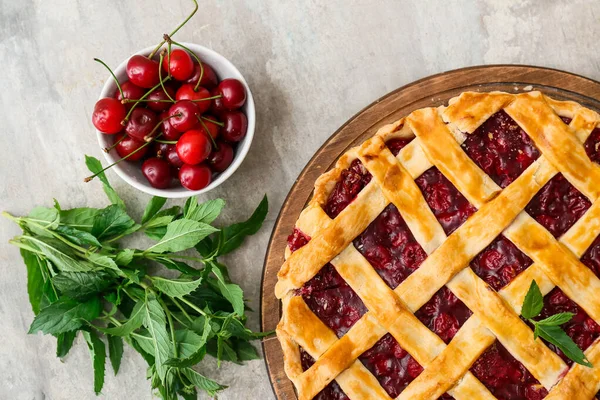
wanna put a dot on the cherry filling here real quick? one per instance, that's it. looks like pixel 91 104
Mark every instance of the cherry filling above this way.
pixel 297 239
pixel 581 328
pixel 333 391
pixel 390 247
pixel 591 258
pixel 352 181
pixel 449 206
pixel 592 146
pixel 328 295
pixel 395 145
pixel 332 300
pixel 506 377
pixel 500 263
pixel 501 148
pixel 444 314
pixel 393 367
pixel 558 205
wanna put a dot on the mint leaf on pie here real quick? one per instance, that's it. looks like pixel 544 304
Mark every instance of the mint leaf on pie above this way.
pixel 533 303
pixel 555 335
pixel 549 329
pixel 556 319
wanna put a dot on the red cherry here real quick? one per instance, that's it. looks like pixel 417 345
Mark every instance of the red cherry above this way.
pixel 234 94
pixel 108 114
pixel 216 105
pixel 236 126
pixel 213 129
pixel 220 159
pixel 184 115
pixel 195 177
pixel 131 92
pixel 159 94
pixel 187 92
pixel 140 124
pixel 169 133
pixel 193 147
pixel 180 64
pixel 172 156
pixel 158 172
pixel 142 71
pixel 209 78
pixel 128 145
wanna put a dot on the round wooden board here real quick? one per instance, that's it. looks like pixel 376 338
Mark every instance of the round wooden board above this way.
pixel 432 91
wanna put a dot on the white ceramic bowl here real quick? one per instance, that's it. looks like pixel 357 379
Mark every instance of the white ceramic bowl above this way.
pixel 131 172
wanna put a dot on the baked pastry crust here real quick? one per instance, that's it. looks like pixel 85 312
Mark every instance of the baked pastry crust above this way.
pixel 438 134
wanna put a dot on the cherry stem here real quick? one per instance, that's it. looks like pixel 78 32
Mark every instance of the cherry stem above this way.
pixel 113 75
pixel 213 121
pixel 166 141
pixel 136 102
pixel 89 178
pixel 193 55
pixel 176 29
pixel 208 132
pixel 148 137
pixel 162 84
pixel 108 149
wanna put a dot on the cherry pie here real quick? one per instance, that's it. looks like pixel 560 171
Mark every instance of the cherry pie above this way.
pixel 405 274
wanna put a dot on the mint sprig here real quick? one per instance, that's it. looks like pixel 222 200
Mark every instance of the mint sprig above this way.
pixel 81 280
pixel 549 328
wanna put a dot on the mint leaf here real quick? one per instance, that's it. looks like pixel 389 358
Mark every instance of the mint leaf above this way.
pixel 156 323
pixel 556 319
pixel 533 302
pixel 98 354
pixel 175 287
pixel 136 319
pixel 158 222
pixel 201 324
pixel 245 351
pixel 177 265
pixel 41 218
pixel 63 260
pixel 79 285
pixel 95 166
pixel 104 262
pixel 124 257
pixel 206 212
pixel 555 335
pixel 208 385
pixel 79 218
pixel 115 351
pixel 65 315
pixel 182 235
pixel 188 342
pixel 35 279
pixel 154 206
pixel 232 292
pixel 111 221
pixel 81 238
pixel 64 342
pixel 233 236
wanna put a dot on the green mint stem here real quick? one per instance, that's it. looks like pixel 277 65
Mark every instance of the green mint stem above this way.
pixel 174 300
pixel 176 29
pixel 193 307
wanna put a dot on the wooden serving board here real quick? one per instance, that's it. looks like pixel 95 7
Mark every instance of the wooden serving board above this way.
pixel 432 91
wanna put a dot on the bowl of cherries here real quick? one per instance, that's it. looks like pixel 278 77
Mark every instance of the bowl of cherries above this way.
pixel 176 120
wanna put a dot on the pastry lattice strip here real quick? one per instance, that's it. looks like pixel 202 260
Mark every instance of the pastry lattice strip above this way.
pixel 430 238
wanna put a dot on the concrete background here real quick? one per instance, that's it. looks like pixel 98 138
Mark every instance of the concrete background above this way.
pixel 311 66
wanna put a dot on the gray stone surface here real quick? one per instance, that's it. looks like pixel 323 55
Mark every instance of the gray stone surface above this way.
pixel 311 66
